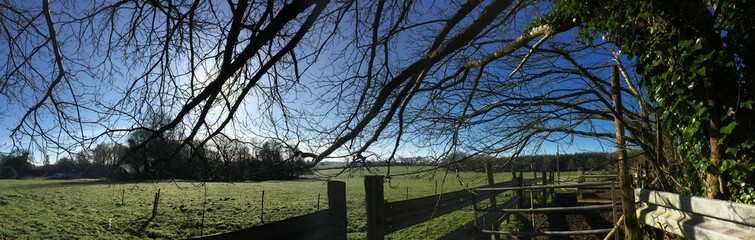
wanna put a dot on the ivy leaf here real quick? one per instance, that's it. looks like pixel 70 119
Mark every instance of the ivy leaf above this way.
pixel 746 104
pixel 700 71
pixel 732 150
pixel 729 128
pixel 685 43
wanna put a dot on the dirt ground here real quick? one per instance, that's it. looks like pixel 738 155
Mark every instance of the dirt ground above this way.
pixel 569 221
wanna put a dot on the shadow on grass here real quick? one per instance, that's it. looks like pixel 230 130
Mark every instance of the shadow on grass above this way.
pixel 145 224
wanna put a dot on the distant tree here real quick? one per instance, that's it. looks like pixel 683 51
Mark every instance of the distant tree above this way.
pixel 65 165
pixel 8 173
pixel 19 161
pixel 82 159
pixel 278 162
pixel 101 154
pixel 153 157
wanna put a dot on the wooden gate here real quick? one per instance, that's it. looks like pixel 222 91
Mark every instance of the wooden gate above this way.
pixel 532 210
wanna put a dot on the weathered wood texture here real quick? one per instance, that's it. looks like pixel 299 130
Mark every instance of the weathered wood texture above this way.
pixel 544 187
pixel 632 229
pixel 384 218
pixel 375 205
pixel 403 214
pixel 548 186
pixel 325 224
pixel 696 217
pixel 553 209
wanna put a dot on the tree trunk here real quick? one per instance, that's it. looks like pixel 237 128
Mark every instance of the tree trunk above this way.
pixel 713 183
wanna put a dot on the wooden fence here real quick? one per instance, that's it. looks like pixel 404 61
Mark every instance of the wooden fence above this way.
pixel 325 224
pixel 533 210
pixel 384 218
pixel 695 217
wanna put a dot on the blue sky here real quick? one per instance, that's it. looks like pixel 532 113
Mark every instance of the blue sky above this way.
pixel 105 90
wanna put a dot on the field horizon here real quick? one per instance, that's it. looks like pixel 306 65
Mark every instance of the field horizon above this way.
pixel 96 208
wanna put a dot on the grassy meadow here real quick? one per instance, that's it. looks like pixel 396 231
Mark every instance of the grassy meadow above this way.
pixel 97 209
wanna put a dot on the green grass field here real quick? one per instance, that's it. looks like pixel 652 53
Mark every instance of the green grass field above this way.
pixel 92 209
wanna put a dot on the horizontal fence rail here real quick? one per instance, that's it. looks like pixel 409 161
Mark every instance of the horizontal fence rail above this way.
pixel 549 186
pixel 600 176
pixel 384 218
pixel 403 214
pixel 551 233
pixel 553 209
pixel 609 184
pixel 696 217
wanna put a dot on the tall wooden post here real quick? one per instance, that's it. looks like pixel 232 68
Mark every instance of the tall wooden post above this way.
pixel 375 201
pixel 544 192
pixel 491 183
pixel 337 204
pixel 154 206
pixel 631 225
pixel 558 166
pixel 520 192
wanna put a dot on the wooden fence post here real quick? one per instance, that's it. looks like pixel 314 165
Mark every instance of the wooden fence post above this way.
pixel 262 207
pixel 491 183
pixel 553 180
pixel 631 225
pixel 154 206
pixel 520 192
pixel 544 193
pixel 337 204
pixel 580 179
pixel 580 175
pixel 375 204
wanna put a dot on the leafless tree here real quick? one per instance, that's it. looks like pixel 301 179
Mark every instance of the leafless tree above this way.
pixel 333 79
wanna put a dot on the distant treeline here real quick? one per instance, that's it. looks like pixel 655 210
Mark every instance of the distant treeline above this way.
pixel 589 161
pixel 165 158
pixel 606 161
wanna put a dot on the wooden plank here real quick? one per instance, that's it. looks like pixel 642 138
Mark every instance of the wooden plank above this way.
pixel 552 209
pixel 508 204
pixel 461 195
pixel 601 176
pixel 300 227
pixel 398 220
pixel 730 211
pixel 375 205
pixel 403 214
pixel 431 201
pixel 545 186
pixel 596 201
pixel 618 224
pixel 552 233
pixel 401 220
pixel 337 206
pixel 693 226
